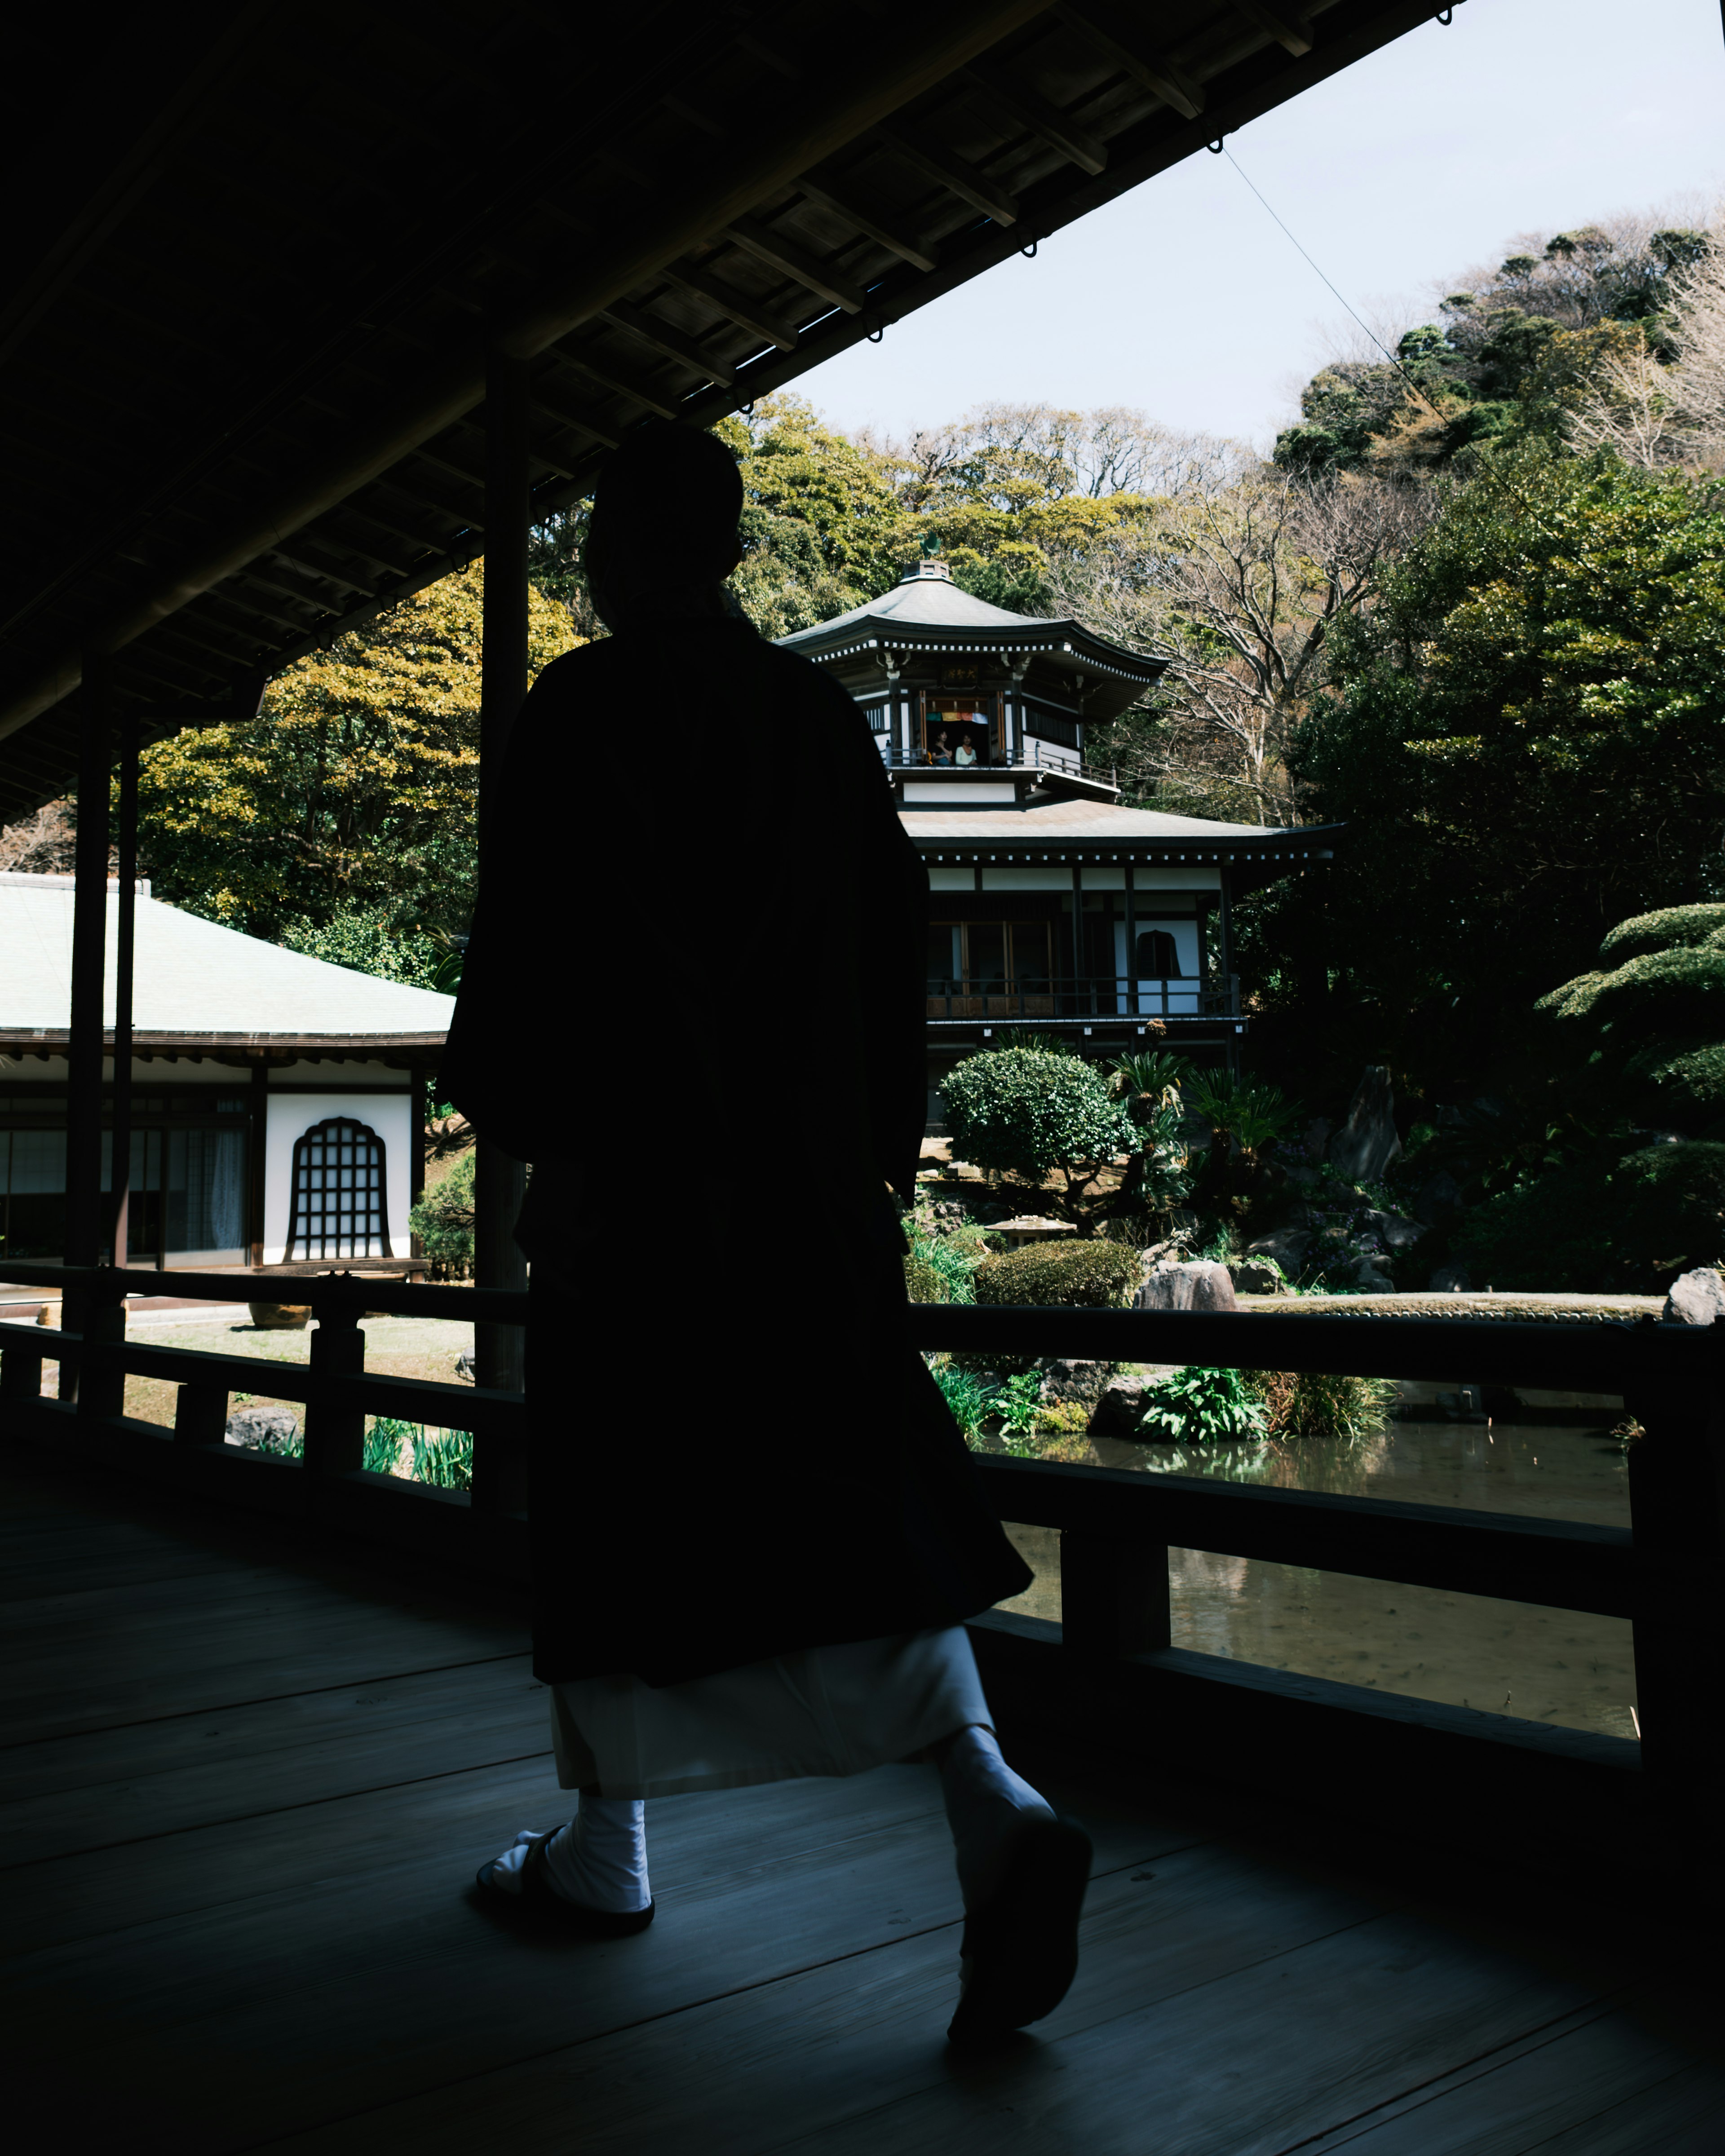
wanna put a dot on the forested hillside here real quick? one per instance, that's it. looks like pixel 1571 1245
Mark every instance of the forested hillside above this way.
pixel 1470 605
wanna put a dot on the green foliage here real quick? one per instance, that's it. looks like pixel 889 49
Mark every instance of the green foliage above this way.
pixel 1523 741
pixel 1597 1228
pixel 353 793
pixel 291 1447
pixel 969 1397
pixel 1083 1275
pixel 1197 1406
pixel 384 1439
pixel 365 940
pixel 1248 1111
pixel 1307 1403
pixel 1026 1111
pixel 947 1246
pixel 1018 1401
pixel 1154 1075
pixel 1671 928
pixel 442 1220
pixel 443 1458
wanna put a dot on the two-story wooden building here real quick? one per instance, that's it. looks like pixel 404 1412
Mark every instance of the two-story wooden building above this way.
pixel 1057 908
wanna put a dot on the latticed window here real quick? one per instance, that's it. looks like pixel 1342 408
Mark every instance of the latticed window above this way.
pixel 339 1186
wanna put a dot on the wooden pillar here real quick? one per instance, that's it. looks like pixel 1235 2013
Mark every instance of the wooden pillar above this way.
pixel 1077 935
pixel 257 1182
pixel 125 943
pixel 1114 1595
pixel 1676 1479
pixel 415 1158
pixel 90 928
pixel 499 1182
pixel 1131 940
pixel 1226 923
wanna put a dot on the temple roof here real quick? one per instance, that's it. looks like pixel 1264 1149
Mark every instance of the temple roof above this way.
pixel 195 980
pixel 925 611
pixel 1065 824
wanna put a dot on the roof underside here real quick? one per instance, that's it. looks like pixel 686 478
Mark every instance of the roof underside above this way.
pixel 242 378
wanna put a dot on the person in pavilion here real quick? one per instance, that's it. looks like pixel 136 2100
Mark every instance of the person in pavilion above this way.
pixel 788 1598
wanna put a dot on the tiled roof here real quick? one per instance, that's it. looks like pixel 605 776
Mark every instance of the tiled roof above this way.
pixel 193 976
pixel 1100 820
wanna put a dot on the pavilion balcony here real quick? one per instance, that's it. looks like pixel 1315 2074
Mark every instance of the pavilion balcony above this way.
pixel 1032 757
pixel 1081 998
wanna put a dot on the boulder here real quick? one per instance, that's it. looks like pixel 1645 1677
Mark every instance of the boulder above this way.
pixel 1452 1280
pixel 1394 1230
pixel 1366 1144
pixel 1696 1298
pixel 1255 1276
pixel 1199 1284
pixel 1287 1246
pixel 1071 1381
pixel 1120 1411
pixel 1370 1276
pixel 254 1426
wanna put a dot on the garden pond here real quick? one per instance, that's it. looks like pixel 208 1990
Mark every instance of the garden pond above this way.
pixel 1513 1658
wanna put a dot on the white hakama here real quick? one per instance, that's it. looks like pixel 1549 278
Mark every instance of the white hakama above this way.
pixel 819 1711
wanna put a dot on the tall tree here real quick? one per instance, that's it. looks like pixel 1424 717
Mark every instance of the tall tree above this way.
pixel 355 789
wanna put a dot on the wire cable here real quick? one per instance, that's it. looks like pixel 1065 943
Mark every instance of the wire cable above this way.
pixel 1372 334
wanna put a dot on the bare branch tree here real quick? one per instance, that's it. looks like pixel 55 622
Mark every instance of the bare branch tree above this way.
pixel 1238 589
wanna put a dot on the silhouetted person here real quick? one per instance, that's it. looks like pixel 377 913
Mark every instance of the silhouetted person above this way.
pixel 756 1529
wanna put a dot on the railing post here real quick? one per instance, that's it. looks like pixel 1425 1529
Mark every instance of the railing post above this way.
pixel 201 1415
pixel 336 1432
pixel 101 1316
pixel 1676 1476
pixel 1114 1595
pixel 20 1384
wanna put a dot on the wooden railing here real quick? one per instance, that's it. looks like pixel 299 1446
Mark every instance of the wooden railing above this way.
pixel 961 999
pixel 1107 1669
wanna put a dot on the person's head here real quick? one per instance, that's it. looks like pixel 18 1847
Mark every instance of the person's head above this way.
pixel 662 537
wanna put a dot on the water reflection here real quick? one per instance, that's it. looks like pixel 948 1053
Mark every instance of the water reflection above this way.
pixel 1518 1658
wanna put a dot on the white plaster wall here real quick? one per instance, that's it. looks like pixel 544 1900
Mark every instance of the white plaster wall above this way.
pixel 291 1115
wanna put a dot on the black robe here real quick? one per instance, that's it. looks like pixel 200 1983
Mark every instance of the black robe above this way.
pixel 693 1000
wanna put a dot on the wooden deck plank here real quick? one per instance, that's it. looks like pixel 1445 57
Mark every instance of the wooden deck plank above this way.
pixel 77 1794
pixel 1251 2065
pixel 1601 2082
pixel 793 2061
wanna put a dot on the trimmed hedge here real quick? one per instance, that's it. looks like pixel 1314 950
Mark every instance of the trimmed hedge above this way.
pixel 1083 1275
pixel 1672 927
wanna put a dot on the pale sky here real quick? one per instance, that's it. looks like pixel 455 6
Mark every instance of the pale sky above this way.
pixel 1185 299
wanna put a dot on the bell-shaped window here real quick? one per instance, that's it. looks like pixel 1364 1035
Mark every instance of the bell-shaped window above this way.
pixel 339 1194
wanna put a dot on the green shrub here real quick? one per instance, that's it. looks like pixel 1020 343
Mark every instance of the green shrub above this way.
pixel 1065 1275
pixel 1196 1406
pixel 443 1458
pixel 1019 1402
pixel 970 1397
pixel 1596 1229
pixel 1061 1419
pixel 1026 1111
pixel 924 1280
pixel 442 1220
pixel 384 1439
pixel 1307 1403
pixel 1667 929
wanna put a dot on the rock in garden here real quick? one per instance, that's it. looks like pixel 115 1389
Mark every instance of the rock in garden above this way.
pixel 1394 1230
pixel 1287 1246
pixel 1452 1280
pixel 1071 1381
pixel 1366 1144
pixel 1696 1298
pixel 1199 1284
pixel 1255 1276
pixel 255 1426
pixel 1120 1411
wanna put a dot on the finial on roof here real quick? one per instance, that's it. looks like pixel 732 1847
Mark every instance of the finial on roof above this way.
pixel 928 567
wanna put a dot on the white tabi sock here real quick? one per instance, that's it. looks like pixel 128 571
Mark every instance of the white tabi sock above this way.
pixel 985 1803
pixel 599 1859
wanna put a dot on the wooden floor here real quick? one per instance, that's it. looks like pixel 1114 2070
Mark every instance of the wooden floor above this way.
pixel 249 1778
